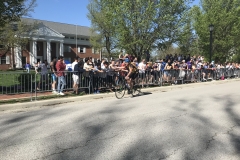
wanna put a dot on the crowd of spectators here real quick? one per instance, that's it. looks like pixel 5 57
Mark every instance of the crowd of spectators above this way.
pixel 169 69
pixel 105 73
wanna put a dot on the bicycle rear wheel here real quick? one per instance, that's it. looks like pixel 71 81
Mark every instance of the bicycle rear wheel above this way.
pixel 136 91
pixel 120 90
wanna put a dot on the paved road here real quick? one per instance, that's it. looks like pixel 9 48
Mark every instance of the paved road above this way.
pixel 200 122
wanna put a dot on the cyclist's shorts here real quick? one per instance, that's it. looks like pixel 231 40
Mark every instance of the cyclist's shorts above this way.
pixel 133 75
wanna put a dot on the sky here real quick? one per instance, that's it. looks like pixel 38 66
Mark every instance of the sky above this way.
pixel 65 11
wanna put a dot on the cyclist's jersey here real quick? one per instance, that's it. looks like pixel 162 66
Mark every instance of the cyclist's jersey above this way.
pixel 133 66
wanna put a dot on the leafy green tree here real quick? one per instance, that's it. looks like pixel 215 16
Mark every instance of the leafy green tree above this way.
pixel 103 30
pixel 13 31
pixel 13 10
pixel 16 34
pixel 225 16
pixel 139 25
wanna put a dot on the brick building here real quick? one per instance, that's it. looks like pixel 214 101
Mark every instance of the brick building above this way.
pixel 53 39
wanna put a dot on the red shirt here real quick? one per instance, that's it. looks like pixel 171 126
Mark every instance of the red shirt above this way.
pixel 60 66
pixel 125 68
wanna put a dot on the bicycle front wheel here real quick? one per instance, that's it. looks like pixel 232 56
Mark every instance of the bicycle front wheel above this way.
pixel 120 90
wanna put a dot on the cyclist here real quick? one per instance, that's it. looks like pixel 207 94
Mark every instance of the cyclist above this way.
pixel 132 72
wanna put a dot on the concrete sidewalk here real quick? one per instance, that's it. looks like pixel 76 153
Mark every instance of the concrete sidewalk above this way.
pixel 5 97
pixel 62 100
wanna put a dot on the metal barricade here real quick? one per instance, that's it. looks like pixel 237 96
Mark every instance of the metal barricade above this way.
pixel 191 75
pixel 168 76
pixel 43 81
pixel 238 72
pixel 16 83
pixel 91 81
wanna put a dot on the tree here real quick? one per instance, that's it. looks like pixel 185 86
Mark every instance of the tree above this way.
pixel 139 25
pixel 13 10
pixel 161 54
pixel 102 28
pixel 225 16
pixel 14 32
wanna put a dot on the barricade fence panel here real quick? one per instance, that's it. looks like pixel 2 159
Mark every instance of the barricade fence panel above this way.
pixel 16 83
pixel 90 81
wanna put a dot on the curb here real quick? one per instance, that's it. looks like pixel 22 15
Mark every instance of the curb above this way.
pixel 52 102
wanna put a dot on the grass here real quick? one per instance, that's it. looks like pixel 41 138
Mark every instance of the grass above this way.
pixel 12 78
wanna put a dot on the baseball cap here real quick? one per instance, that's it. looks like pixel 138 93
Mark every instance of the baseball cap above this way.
pixel 127 60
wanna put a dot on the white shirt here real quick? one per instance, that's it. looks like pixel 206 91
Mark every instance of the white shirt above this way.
pixel 86 66
pixel 73 65
pixel 159 66
pixel 102 66
pixel 43 69
pixel 142 67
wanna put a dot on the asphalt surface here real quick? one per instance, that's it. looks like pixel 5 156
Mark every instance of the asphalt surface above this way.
pixel 201 122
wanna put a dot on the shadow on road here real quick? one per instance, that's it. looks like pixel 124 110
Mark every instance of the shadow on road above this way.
pixel 116 132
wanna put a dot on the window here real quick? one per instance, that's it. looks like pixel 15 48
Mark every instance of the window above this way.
pixel 81 50
pixel 67 37
pixel 72 38
pixel 87 39
pixel 82 38
pixel 67 48
pixel 78 38
pixel 93 52
pixel 4 60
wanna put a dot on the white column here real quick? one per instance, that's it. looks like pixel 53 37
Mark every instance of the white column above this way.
pixel 30 53
pixel 49 57
pixel 44 50
pixel 61 49
pixel 57 49
pixel 18 57
pixel 33 52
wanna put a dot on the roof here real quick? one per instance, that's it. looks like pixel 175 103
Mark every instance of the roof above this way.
pixel 63 28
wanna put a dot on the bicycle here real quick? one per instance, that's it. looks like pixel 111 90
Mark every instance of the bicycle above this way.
pixel 122 86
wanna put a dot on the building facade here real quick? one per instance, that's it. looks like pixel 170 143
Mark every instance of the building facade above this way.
pixel 52 39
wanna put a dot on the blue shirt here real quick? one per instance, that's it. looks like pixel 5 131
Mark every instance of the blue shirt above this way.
pixel 163 65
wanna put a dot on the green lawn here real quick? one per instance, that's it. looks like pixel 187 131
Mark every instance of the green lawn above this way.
pixel 11 78
pixel 17 82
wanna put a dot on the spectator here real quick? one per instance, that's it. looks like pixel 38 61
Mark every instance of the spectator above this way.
pixel 167 69
pixel 60 66
pixel 102 64
pixel 36 68
pixel 90 62
pixel 27 66
pixel 75 62
pixel 136 62
pixel 142 69
pixel 87 65
pixel 54 74
pixel 44 72
pixel 78 70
